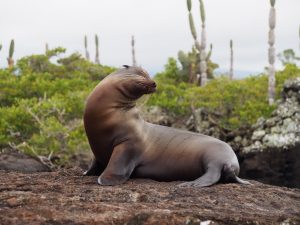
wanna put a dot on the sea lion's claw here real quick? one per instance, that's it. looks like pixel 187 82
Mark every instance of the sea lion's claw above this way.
pixel 95 169
pixel 111 180
pixel 186 184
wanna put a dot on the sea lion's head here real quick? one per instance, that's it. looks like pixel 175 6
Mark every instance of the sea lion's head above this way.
pixel 132 82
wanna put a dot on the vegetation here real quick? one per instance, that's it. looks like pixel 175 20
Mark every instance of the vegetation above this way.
pixel 202 59
pixel 231 60
pixel 42 104
pixel 288 56
pixel 10 59
pixel 235 102
pixel 133 51
pixel 271 54
pixel 97 60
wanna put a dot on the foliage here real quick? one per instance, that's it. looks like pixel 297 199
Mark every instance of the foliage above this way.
pixel 187 69
pixel 288 56
pixel 237 102
pixel 42 103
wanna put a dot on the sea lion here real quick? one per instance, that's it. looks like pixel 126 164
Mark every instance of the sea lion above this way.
pixel 124 145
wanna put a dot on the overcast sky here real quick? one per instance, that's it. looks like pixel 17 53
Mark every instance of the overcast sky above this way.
pixel 160 28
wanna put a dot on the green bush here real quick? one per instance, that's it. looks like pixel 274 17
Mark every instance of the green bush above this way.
pixel 238 102
pixel 42 104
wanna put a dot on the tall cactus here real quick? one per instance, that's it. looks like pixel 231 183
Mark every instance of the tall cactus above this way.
pixel 231 60
pixel 133 51
pixel 46 48
pixel 10 59
pixel 0 47
pixel 199 46
pixel 203 64
pixel 209 53
pixel 271 53
pixel 87 55
pixel 97 60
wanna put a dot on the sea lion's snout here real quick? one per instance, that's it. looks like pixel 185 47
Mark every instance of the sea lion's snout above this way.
pixel 151 87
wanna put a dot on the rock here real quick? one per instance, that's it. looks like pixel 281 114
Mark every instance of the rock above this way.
pixel 66 197
pixel 201 122
pixel 274 130
pixel 258 135
pixel 259 124
pixel 237 139
pixel 271 122
pixel 283 141
pixel 282 130
pixel 273 166
pixel 245 142
pixel 17 161
pixel 273 157
pixel 291 89
pixel 157 115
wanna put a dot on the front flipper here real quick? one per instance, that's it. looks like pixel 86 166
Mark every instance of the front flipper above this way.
pixel 95 169
pixel 120 166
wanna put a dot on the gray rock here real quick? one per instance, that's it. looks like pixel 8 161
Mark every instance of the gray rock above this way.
pixel 17 161
pixel 283 141
pixel 258 135
pixel 245 142
pixel 275 130
pixel 272 121
pixel 259 124
pixel 238 139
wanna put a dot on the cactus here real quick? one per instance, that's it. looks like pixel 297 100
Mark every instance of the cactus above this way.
pixel 231 60
pixel 203 64
pixel 97 60
pixel 192 26
pixel 0 47
pixel 202 11
pixel 46 48
pixel 133 51
pixel 209 53
pixel 199 46
pixel 10 59
pixel 299 37
pixel 271 53
pixel 87 55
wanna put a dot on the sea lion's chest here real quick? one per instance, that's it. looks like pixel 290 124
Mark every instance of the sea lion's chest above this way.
pixel 110 129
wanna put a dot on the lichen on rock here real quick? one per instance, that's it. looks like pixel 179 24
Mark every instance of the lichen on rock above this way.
pixel 282 130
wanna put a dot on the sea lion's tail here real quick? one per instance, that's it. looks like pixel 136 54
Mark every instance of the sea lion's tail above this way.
pixel 229 175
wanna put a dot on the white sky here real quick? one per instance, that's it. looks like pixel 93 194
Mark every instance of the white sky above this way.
pixel 160 27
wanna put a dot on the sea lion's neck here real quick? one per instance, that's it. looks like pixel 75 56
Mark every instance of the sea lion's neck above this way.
pixel 104 96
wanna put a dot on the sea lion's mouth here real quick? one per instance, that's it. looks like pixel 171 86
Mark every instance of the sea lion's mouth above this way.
pixel 151 87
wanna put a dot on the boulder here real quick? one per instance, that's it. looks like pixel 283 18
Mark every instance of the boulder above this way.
pixel 18 161
pixel 273 155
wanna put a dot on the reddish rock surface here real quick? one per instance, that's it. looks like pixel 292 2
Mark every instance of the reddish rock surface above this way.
pixel 66 197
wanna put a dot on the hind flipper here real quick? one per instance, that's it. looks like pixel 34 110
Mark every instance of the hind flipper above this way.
pixel 241 181
pixel 211 177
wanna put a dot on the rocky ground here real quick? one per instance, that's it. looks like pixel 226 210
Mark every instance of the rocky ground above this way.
pixel 66 197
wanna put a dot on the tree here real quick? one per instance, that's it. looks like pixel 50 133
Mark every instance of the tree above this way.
pixel 288 56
